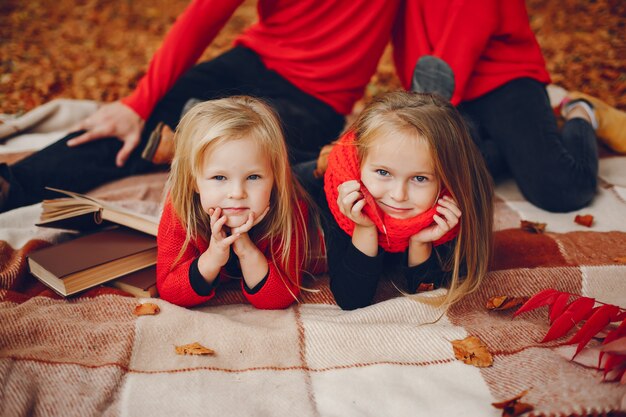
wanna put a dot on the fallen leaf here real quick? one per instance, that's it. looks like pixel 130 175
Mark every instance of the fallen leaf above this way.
pixel 504 302
pixel 472 351
pixel 146 309
pixel 585 220
pixel 620 260
pixel 513 407
pixel 194 349
pixel 542 298
pixel 533 227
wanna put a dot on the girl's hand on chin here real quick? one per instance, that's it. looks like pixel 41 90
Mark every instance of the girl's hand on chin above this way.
pixel 444 222
pixel 219 246
pixel 351 202
pixel 250 223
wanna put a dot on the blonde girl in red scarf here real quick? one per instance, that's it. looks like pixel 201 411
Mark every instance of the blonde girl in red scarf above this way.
pixel 406 187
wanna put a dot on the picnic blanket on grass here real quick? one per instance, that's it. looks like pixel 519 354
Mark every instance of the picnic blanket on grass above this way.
pixel 91 356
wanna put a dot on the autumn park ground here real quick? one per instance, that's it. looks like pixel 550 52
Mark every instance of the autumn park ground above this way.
pixel 98 49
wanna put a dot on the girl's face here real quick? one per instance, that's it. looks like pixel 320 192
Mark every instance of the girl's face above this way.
pixel 236 176
pixel 398 171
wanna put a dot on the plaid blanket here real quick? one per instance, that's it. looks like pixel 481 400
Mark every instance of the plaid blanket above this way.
pixel 90 355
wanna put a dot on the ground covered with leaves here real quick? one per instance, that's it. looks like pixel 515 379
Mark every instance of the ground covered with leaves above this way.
pixel 98 49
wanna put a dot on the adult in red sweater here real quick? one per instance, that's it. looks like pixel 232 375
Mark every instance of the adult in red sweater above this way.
pixel 309 59
pixel 483 56
pixel 233 209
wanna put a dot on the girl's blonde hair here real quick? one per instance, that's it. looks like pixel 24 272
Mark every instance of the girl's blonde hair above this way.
pixel 205 127
pixel 458 165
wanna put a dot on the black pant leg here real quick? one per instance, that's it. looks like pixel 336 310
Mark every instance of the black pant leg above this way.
pixel 555 172
pixel 77 169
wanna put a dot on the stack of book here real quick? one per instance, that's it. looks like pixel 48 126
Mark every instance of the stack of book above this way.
pixel 120 249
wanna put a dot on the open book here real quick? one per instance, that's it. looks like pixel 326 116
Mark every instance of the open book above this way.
pixel 82 212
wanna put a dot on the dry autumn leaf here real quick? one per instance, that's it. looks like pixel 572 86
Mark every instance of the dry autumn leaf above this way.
pixel 472 351
pixel 194 349
pixel 513 407
pixel 146 309
pixel 532 227
pixel 585 220
pixel 504 302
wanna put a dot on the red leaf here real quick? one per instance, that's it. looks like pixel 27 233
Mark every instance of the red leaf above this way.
pixel 560 327
pixel 559 306
pixel 614 334
pixel 612 362
pixel 574 313
pixel 617 346
pixel 593 325
pixel 540 299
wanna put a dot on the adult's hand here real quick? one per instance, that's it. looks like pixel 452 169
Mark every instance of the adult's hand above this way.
pixel 112 120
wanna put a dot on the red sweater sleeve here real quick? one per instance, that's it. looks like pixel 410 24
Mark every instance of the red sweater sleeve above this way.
pixel 279 291
pixel 192 32
pixel 173 279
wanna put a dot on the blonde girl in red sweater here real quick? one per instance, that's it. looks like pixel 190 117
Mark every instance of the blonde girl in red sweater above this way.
pixel 233 208
pixel 406 188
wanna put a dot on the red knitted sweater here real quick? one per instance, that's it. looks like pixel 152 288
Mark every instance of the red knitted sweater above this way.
pixel 328 49
pixel 393 234
pixel 173 279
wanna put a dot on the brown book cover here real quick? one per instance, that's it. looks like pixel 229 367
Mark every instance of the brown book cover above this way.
pixel 90 260
pixel 140 283
pixel 81 212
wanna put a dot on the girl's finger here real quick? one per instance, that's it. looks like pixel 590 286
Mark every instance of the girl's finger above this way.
pixel 357 208
pixel 244 228
pixel 231 239
pixel 441 223
pixel 451 205
pixel 219 223
pixel 214 215
pixel 447 214
pixel 349 200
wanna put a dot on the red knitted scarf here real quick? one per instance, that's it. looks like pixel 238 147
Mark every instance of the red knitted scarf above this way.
pixel 393 234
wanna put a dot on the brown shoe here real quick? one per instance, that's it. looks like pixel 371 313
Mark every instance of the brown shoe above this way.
pixel 160 147
pixel 611 122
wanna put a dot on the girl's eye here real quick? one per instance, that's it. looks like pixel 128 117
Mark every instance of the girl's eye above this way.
pixel 382 172
pixel 218 178
pixel 254 177
pixel 420 178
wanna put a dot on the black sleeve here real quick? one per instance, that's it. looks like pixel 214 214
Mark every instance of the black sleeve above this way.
pixel 429 272
pixel 353 275
pixel 197 281
pixel 258 286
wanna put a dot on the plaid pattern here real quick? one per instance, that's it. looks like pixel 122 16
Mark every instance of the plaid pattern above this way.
pixel 90 356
